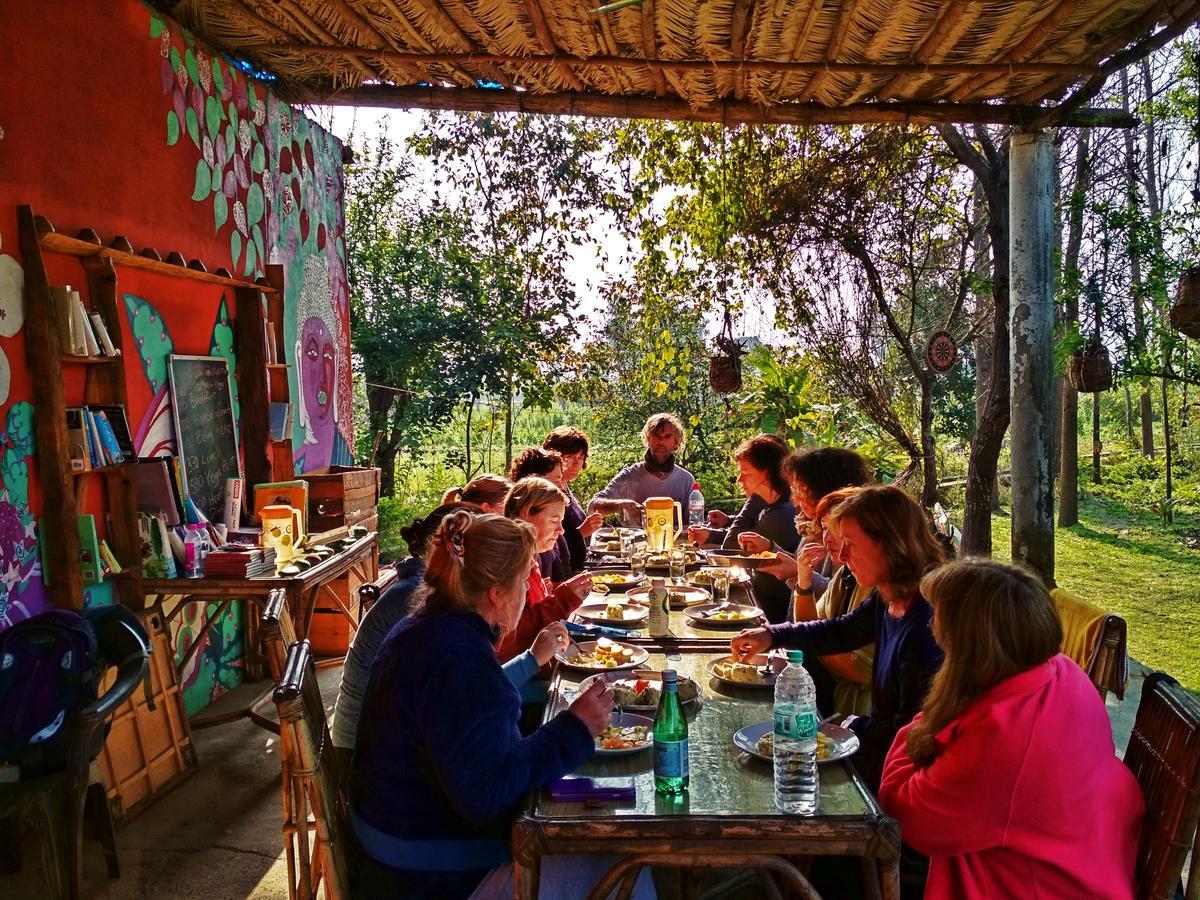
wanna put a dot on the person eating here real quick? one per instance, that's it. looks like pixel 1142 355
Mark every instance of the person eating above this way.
pixel 1007 779
pixel 440 765
pixel 657 475
pixel 555 563
pixel 573 445
pixel 886 542
pixel 767 515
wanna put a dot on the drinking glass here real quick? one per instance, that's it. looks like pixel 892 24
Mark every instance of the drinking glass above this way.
pixel 677 564
pixel 720 585
pixel 637 560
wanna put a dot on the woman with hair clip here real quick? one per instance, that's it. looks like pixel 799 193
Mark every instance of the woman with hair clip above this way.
pixel 487 491
pixel 440 766
pixel 886 542
pixel 766 521
pixel 1007 779
pixel 542 505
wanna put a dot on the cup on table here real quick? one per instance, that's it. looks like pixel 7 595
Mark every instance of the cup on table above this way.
pixel 637 560
pixel 720 585
pixel 677 563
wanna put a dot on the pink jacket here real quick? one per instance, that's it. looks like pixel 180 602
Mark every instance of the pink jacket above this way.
pixel 1027 798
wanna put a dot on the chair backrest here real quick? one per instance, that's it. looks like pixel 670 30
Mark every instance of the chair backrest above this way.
pixel 370 592
pixel 1094 639
pixel 277 631
pixel 316 779
pixel 1164 756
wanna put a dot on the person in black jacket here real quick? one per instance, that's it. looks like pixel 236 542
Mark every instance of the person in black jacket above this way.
pixel 573 446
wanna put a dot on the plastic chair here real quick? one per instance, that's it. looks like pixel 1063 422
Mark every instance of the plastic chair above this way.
pixel 313 779
pixel 59 799
pixel 1164 756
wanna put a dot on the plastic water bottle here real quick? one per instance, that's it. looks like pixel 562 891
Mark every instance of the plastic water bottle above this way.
pixel 696 506
pixel 797 785
pixel 194 545
pixel 670 739
pixel 659 624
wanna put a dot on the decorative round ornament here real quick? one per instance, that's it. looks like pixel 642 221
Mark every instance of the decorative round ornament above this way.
pixel 941 353
pixel 12 302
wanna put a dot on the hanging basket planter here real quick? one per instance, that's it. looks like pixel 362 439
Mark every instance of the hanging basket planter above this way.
pixel 725 373
pixel 1185 311
pixel 1090 370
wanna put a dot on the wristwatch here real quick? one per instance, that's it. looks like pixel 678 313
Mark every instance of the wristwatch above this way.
pixel 803 592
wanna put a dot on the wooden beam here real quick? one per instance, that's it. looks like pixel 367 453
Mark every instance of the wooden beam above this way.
pixel 538 17
pixel 1054 115
pixel 840 28
pixel 681 65
pixel 1026 48
pixel 729 112
pixel 742 11
pixel 810 21
pixel 650 45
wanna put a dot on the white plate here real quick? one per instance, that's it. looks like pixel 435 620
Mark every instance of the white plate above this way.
pixel 734 559
pixel 639 657
pixel 701 616
pixel 778 663
pixel 622 580
pixel 691 595
pixel 845 741
pixel 701 579
pixel 629 678
pixel 594 612
pixel 628 720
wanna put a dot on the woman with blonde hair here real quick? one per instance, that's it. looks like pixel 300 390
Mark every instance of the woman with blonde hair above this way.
pixel 1007 779
pixel 885 542
pixel 440 764
pixel 487 491
pixel 542 505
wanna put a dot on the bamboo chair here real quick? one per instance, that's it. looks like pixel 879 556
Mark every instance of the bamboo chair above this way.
pixel 1164 755
pixel 371 591
pixel 315 830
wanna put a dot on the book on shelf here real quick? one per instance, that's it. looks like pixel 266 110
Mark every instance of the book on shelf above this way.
pixel 89 550
pixel 83 325
pixel 152 484
pixel 102 335
pixel 95 445
pixel 281 421
pixel 108 437
pixel 157 559
pixel 269 342
pixel 69 337
pixel 109 559
pixel 235 489
pixel 115 414
pixel 78 451
pixel 240 561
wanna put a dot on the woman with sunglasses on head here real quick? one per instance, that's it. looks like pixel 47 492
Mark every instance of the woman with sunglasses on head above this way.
pixel 886 542
pixel 440 765
pixel 1008 779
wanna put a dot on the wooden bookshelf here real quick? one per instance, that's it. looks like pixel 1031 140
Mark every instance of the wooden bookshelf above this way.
pixel 65 491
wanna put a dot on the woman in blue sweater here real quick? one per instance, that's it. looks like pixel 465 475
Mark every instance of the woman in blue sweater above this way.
pixel 440 765
pixel 887 542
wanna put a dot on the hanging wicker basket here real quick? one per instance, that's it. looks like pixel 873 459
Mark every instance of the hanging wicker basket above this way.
pixel 1090 370
pixel 1185 311
pixel 725 373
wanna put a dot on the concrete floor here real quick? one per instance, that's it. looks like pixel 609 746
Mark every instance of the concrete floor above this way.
pixel 217 835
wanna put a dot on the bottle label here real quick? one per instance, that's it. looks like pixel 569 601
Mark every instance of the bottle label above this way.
pixel 795 723
pixel 671 758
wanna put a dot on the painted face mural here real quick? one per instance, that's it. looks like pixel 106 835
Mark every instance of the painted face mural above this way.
pixel 319 369
pixel 316 367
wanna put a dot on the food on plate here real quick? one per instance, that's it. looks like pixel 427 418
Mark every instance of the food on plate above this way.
pixel 645 693
pixel 615 737
pixel 766 745
pixel 614 611
pixel 610 578
pixel 613 546
pixel 743 673
pixel 730 615
pixel 607 655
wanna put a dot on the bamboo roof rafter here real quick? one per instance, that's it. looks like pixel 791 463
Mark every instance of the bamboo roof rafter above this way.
pixel 751 60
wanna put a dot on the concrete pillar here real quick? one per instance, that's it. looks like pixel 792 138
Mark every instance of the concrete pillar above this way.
pixel 1031 269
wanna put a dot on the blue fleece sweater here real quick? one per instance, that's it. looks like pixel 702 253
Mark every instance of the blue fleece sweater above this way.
pixel 439 754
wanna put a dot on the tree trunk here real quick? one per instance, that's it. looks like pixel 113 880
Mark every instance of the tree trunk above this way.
pixel 508 427
pixel 1068 440
pixel 1129 435
pixel 1135 271
pixel 1168 512
pixel 379 409
pixel 1096 445
pixel 467 470
pixel 928 445
pixel 386 462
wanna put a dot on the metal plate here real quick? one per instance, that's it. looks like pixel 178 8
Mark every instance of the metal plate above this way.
pixel 701 616
pixel 566 657
pixel 845 742
pixel 776 663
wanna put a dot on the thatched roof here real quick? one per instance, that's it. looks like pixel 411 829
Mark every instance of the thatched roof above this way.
pixel 720 60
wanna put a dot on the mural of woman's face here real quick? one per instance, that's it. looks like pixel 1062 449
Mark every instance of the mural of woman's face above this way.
pixel 318 368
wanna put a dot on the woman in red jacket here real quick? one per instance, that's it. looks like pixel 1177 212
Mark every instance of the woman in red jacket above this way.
pixel 1008 779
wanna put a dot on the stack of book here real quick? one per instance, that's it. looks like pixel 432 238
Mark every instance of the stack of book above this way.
pixel 98 436
pixel 81 331
pixel 240 561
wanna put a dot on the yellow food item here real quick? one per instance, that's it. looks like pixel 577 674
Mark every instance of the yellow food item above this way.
pixel 609 578
pixel 614 611
pixel 729 615
pixel 766 554
pixel 766 745
pixel 743 673
pixel 617 738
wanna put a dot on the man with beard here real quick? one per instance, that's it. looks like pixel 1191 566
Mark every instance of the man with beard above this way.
pixel 656 475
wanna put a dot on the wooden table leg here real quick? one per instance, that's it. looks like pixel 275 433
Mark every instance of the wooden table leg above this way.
pixel 889 878
pixel 526 880
pixel 195 647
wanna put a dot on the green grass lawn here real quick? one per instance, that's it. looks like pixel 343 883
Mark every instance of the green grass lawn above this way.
pixel 1129 564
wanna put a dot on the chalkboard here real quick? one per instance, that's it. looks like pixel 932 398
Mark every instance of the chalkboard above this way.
pixel 205 433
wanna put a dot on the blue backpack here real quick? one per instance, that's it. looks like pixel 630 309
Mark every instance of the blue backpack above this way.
pixel 49 667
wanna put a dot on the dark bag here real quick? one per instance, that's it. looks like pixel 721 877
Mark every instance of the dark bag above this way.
pixel 49 667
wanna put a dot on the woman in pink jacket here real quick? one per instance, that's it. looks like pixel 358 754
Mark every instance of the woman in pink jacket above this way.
pixel 1008 779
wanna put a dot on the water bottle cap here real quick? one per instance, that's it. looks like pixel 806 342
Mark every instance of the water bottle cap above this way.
pixel 696 485
pixel 796 657
pixel 669 676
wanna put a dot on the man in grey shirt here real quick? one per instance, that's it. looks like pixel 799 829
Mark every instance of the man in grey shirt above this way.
pixel 656 475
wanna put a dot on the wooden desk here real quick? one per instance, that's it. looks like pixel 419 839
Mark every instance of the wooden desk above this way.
pixel 361 558
pixel 728 815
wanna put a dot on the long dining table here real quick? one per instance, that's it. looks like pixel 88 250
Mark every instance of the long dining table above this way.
pixel 727 818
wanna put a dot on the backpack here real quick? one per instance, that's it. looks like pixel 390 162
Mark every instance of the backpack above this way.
pixel 49 667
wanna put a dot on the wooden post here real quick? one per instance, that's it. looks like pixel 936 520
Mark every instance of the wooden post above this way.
pixel 1031 354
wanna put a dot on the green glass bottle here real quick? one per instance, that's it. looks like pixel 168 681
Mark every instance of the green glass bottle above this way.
pixel 670 739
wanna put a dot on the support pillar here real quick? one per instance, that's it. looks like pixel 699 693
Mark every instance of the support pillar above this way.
pixel 1031 269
